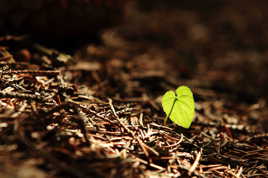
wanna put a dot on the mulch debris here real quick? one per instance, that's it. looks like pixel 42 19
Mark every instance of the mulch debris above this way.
pixel 97 112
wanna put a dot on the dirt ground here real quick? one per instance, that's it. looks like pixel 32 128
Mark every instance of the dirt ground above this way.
pixel 94 109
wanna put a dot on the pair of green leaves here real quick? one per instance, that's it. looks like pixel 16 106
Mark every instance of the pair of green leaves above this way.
pixel 179 106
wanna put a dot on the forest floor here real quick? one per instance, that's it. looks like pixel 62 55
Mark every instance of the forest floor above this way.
pixel 97 112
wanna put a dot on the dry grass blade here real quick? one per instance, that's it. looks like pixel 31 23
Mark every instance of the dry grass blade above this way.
pixel 144 147
pixel 196 162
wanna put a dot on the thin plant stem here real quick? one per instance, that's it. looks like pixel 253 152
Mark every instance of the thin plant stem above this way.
pixel 165 120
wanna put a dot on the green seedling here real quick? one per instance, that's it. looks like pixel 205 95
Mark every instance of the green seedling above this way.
pixel 179 106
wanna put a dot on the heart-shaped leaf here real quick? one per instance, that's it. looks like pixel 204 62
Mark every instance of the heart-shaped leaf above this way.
pixel 179 106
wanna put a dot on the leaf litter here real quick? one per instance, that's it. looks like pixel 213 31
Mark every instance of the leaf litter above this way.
pixel 63 127
pixel 97 113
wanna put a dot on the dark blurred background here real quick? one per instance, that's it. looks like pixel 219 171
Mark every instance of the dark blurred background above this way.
pixel 220 43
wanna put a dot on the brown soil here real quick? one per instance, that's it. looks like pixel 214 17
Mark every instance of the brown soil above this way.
pixel 95 111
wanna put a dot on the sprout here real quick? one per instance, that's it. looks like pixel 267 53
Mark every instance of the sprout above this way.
pixel 179 106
